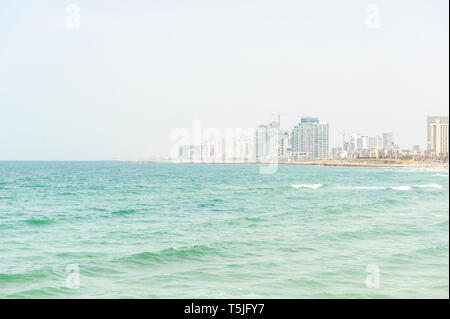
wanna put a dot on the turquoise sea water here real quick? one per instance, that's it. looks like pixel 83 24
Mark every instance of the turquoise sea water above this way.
pixel 221 231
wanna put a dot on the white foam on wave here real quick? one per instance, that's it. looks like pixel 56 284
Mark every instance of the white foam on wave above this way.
pixel 364 187
pixel 442 175
pixel 430 186
pixel 420 169
pixel 234 187
pixel 397 188
pixel 402 188
pixel 310 186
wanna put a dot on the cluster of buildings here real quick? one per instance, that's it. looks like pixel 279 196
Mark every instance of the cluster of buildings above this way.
pixel 309 140
pixel 365 146
pixel 266 143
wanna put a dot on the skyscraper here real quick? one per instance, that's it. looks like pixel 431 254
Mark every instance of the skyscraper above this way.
pixel 310 139
pixel 388 141
pixel 266 141
pixel 373 142
pixel 430 121
pixel 439 137
pixel 284 144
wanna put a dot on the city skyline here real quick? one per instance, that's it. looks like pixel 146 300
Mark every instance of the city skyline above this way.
pixel 111 81
pixel 307 140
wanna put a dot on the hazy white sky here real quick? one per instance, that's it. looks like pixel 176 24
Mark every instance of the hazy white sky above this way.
pixel 135 70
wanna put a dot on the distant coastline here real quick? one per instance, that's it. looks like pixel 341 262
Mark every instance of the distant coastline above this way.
pixel 340 163
pixel 375 163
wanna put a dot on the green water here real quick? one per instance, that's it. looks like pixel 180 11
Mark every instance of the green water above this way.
pixel 221 231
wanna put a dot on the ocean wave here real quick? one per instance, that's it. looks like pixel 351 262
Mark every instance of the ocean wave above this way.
pixel 171 254
pixel 397 188
pixel 402 188
pixel 442 224
pixel 67 194
pixel 38 222
pixel 43 292
pixel 310 186
pixel 27 277
pixel 124 211
pixel 441 175
pixel 429 186
pixel 363 187
pixel 235 187
pixel 437 250
pixel 238 220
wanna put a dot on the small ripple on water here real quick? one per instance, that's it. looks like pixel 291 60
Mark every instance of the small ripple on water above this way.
pixel 246 220
pixel 125 212
pixel 44 292
pixel 39 221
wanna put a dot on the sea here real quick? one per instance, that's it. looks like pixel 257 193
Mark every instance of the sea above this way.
pixel 170 230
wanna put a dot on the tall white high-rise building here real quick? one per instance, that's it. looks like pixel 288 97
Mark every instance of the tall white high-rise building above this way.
pixel 310 139
pixel 439 137
pixel 284 144
pixel 373 142
pixel 388 141
pixel 266 141
pixel 430 121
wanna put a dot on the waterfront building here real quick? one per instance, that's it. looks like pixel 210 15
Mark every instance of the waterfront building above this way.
pixel 284 145
pixel 416 149
pixel 388 142
pixel 374 152
pixel 362 145
pixel 439 137
pixel 310 139
pixel 373 142
pixel 189 153
pixel 266 141
pixel 430 121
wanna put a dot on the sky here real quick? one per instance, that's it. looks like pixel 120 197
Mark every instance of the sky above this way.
pixel 116 82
